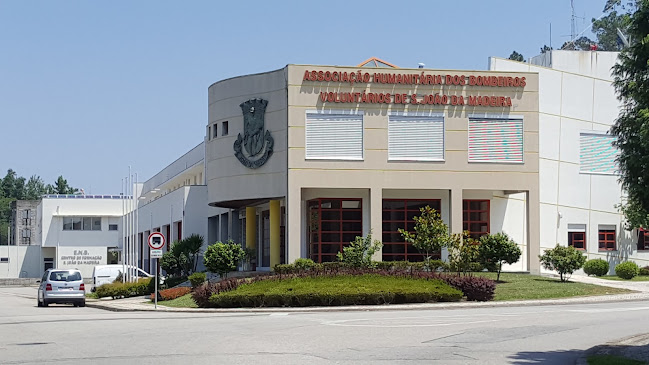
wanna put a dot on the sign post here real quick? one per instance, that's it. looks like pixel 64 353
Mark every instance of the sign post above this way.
pixel 156 243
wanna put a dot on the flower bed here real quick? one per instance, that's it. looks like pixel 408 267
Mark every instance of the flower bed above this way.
pixel 172 293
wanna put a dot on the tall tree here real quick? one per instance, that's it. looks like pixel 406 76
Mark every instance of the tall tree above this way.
pixel 9 184
pixel 631 128
pixel 61 186
pixel 545 48
pixel 34 188
pixel 515 56
pixel 580 44
pixel 618 16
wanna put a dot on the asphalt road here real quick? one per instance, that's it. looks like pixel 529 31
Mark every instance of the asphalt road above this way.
pixel 516 335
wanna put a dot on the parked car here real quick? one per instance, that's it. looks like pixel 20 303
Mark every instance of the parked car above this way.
pixel 61 286
pixel 106 274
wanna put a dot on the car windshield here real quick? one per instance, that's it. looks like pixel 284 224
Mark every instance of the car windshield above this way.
pixel 65 276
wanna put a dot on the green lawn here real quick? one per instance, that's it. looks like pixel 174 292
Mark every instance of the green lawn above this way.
pixel 185 301
pixel 611 360
pixel 526 287
pixel 637 278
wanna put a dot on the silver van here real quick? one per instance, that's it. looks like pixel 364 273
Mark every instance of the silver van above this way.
pixel 61 286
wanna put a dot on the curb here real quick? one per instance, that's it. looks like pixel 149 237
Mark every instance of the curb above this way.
pixel 143 306
pixel 616 348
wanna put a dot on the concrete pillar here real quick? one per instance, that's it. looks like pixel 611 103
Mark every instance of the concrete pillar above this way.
pixel 533 231
pixel 456 211
pixel 376 218
pixel 294 225
pixel 251 227
pixel 275 223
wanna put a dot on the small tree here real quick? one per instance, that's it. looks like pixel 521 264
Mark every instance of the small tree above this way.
pixel 462 253
pixel 564 260
pixel 191 247
pixel 221 258
pixel 431 233
pixel 496 249
pixel 360 251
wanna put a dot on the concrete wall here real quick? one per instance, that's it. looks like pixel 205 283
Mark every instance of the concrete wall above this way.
pixel 227 178
pixel 24 262
pixel 375 174
pixel 575 96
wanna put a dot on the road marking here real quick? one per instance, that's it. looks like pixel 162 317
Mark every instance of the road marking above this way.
pixel 344 324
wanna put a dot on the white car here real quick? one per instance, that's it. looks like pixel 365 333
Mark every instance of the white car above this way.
pixel 106 274
pixel 61 286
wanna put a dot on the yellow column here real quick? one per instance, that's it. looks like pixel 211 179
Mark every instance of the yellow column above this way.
pixel 275 222
pixel 251 227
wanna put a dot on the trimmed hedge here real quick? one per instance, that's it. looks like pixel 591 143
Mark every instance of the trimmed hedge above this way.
pixel 597 267
pixel 124 290
pixel 173 293
pixel 369 289
pixel 308 266
pixel 197 279
pixel 627 270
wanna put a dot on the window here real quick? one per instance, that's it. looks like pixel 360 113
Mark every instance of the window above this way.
pixel 495 140
pixel 333 224
pixel 577 240
pixel 416 138
pixel 82 223
pixel 607 238
pixel 334 136
pixel 26 235
pixel 112 227
pixel 48 263
pixel 214 130
pixel 476 217
pixel 27 215
pixel 643 239
pixel 65 276
pixel 209 132
pixel 4 260
pixel 597 154
pixel 224 128
pixel 399 213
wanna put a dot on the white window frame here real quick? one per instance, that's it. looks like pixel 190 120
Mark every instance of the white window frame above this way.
pixel 359 113
pixel 431 116
pixel 496 117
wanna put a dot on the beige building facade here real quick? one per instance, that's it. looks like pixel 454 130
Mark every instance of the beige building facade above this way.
pixel 308 157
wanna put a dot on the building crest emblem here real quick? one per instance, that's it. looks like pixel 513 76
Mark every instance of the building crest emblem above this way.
pixel 256 145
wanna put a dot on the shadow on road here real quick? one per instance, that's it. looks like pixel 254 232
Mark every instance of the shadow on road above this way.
pixel 549 357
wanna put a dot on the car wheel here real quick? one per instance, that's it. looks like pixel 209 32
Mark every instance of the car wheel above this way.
pixel 38 302
pixel 82 304
pixel 45 303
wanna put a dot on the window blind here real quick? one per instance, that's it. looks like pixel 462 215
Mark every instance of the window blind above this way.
pixel 416 138
pixel 495 140
pixel 334 136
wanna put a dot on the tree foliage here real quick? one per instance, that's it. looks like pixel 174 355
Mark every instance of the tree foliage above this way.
pixel 618 16
pixel 562 259
pixel 579 44
pixel 182 258
pixel 360 251
pixel 431 233
pixel 462 253
pixel 496 249
pixel 515 56
pixel 631 81
pixel 545 48
pixel 222 258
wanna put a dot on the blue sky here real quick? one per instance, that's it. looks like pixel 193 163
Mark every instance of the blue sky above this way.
pixel 88 88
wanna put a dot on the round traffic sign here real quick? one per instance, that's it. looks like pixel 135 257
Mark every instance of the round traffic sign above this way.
pixel 156 240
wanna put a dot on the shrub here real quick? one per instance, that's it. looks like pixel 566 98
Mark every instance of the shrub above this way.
pixel 283 269
pixel 359 252
pixel 124 290
pixel 627 270
pixel 463 253
pixel 597 267
pixel 221 258
pixel 173 293
pixel 564 260
pixel 197 279
pixel 644 271
pixel 496 249
pixel 303 264
pixel 475 288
